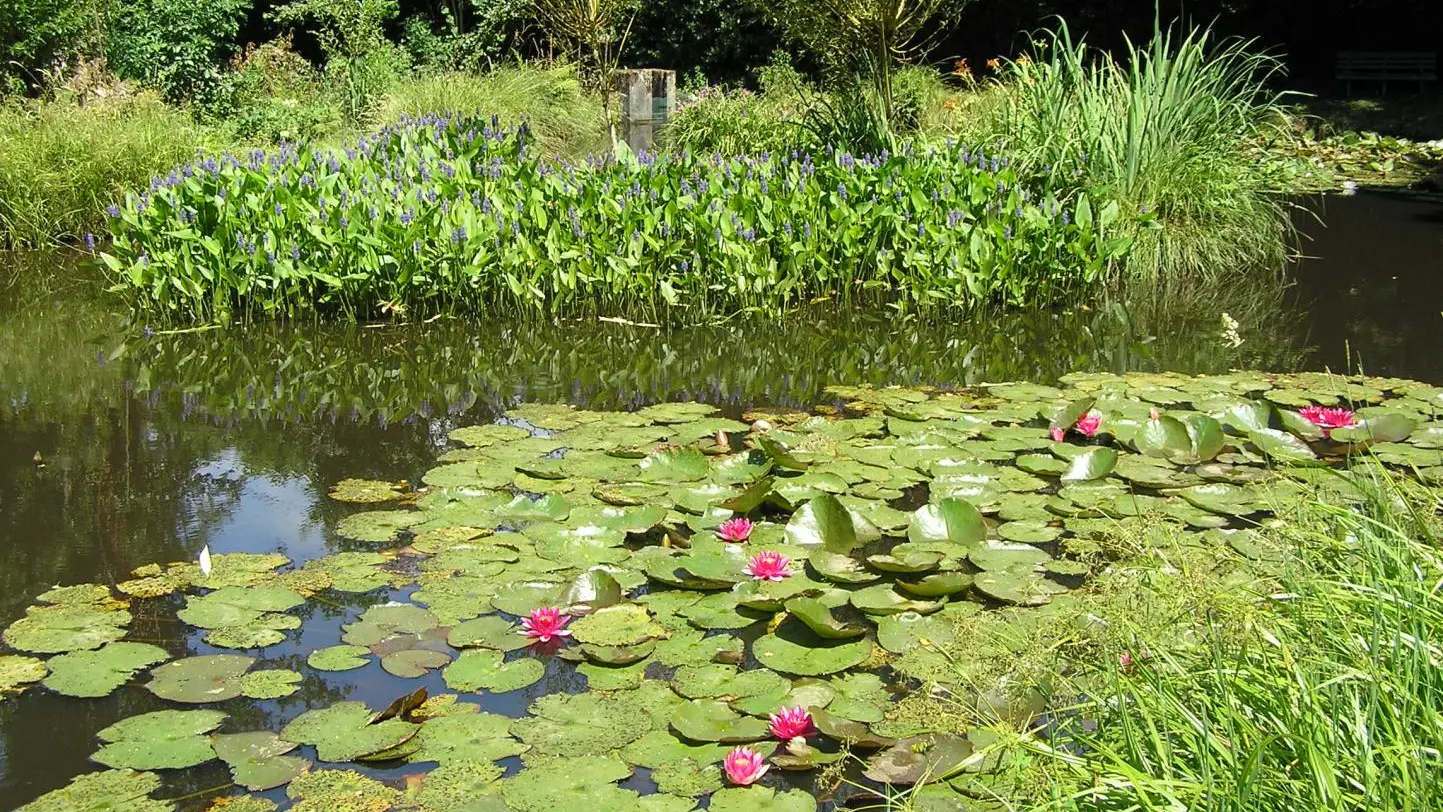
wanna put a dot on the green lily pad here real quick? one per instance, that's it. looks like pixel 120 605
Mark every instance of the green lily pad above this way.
pixel 1041 464
pixel 1019 587
pixel 386 620
pixel 761 799
pixel 487 670
pixel 787 655
pixel 661 747
pixel 340 790
pixel 907 559
pixel 674 466
pixel 107 791
pixel 1094 463
pixel 858 697
pixel 66 627
pixel 476 736
pixel 1165 436
pixel 344 732
pixel 195 680
pixel 364 491
pixel 818 617
pixel 711 720
pixel 163 740
pixel 338 658
pixel 621 625
pixel 413 663
pixel 18 671
pixel 488 631
pixel 951 520
pixel 689 646
pixel 258 760
pixel 1029 532
pixel 1378 427
pixel 1003 555
pixel 378 526
pixel 520 599
pixel 937 585
pixel 456 786
pixel 579 725
pixel 882 599
pixel 270 684
pixel 584 783
pixel 824 523
pixel 1280 446
pixel 919 759
pixel 905 631
pixel 725 681
pixel 98 673
pixel 1221 498
pixel 803 693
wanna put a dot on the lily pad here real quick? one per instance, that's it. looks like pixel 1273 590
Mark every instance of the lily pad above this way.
pixel 413 663
pixel 196 680
pixel 882 599
pixel 825 523
pixel 18 671
pixel 66 627
pixel 584 783
pixel 621 625
pixel 364 491
pixel 456 737
pixel 579 725
pixel 725 681
pixel 270 684
pixel 456 786
pixel 258 760
pixel 674 465
pixel 162 740
pixel 951 520
pixel 1280 446
pixel 761 799
pixel 919 759
pixel 98 673
pixel 792 657
pixel 107 791
pixel 1094 463
pixel 344 732
pixel 378 526
pixel 338 658
pixel 487 669
pixel 818 617
pixel 711 720
pixel 386 620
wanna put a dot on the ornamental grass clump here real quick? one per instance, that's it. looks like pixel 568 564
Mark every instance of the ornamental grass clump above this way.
pixel 447 213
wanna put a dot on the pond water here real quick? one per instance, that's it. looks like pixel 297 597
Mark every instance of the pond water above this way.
pixel 121 447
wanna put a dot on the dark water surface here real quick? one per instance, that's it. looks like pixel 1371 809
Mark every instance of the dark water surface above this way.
pixel 150 446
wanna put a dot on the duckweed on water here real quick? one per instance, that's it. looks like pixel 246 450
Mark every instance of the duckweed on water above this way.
pixel 914 537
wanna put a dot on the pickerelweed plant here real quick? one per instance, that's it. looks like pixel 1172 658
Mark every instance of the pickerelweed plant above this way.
pixel 455 213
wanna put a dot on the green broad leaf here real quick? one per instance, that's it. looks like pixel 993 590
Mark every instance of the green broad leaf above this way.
pixel 743 468
pixel 711 720
pixel 580 725
pixel 1165 437
pixel 1018 587
pixel 1041 464
pixel 485 436
pixel 341 790
pixel 937 585
pixel 661 747
pixel 1282 447
pixel 951 520
pixel 882 599
pixel 413 663
pixel 795 654
pixel 457 786
pixel 462 737
pixel 1094 463
pixel 1001 555
pixel 689 646
pixel 1029 532
pixel 519 599
pixel 904 632
pixel 818 617
pixel 1385 427
pixel 761 799
pixel 488 631
pixel 258 760
pixel 488 670
pixel 751 498
pixel 780 454
pixel 270 684
pixel 626 624
pixel 591 590
pixel 715 680
pixel 825 523
pixel 338 658
pixel 105 791
pixel 344 732
pixel 18 671
pixel 907 559
pixel 62 628
pixel 378 526
pixel 1221 498
pixel 674 466
pixel 803 693
pixel 920 759
pixel 196 680
pixel 364 491
pixel 585 783
pixel 618 655
pixel 1066 416
pixel 841 569
pixel 163 740
pixel 1245 416
pixel 383 621
pixel 97 673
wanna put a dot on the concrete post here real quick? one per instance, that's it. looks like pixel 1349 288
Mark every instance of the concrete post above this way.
pixel 647 101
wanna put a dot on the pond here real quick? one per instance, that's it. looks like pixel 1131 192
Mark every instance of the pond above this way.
pixel 122 447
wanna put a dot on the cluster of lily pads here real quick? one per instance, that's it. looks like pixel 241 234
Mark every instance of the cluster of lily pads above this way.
pixel 750 604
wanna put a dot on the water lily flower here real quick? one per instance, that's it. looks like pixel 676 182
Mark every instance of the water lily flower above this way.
pixel 1058 434
pixel 545 623
pixel 768 566
pixel 789 723
pixel 1328 419
pixel 205 566
pixel 744 766
pixel 1089 424
pixel 738 529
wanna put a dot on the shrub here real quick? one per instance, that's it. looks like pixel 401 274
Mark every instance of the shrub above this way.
pixel 61 164
pixel 1167 130
pixel 563 119
pixel 178 47
pixel 277 95
pixel 34 35
pixel 453 213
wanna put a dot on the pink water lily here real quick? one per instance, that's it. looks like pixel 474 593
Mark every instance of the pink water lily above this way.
pixel 744 766
pixel 1089 424
pixel 546 623
pixel 1328 419
pixel 768 566
pixel 735 529
pixel 789 723
pixel 1058 434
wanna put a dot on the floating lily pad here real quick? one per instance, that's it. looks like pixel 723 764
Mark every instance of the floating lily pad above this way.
pixel 340 790
pixel 386 620
pixel 585 783
pixel 344 732
pixel 17 671
pixel 107 791
pixel 579 725
pixel 621 625
pixel 951 520
pixel 66 627
pixel 761 799
pixel 1280 446
pixel 818 617
pixel 882 599
pixel 456 786
pixel 477 736
pixel 1094 463
pixel 195 680
pixel 378 525
pixel 824 523
pixel 937 584
pixel 725 681
pixel 258 760
pixel 162 740
pixel 791 657
pixel 905 631
pixel 487 669
pixel 338 658
pixel 364 491
pixel 932 757
pixel 711 720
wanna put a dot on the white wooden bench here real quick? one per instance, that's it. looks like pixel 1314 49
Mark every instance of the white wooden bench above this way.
pixel 1387 66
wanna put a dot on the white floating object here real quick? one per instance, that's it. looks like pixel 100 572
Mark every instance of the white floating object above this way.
pixel 205 561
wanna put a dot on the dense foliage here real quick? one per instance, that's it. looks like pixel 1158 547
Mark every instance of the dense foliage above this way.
pixel 452 213
pixel 175 46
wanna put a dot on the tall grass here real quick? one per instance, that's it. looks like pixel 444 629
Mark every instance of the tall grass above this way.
pixel 62 163
pixel 1331 700
pixel 1166 127
pixel 564 120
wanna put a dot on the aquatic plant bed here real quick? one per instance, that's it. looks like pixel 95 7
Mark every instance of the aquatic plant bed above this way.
pixel 455 213
pixel 684 608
